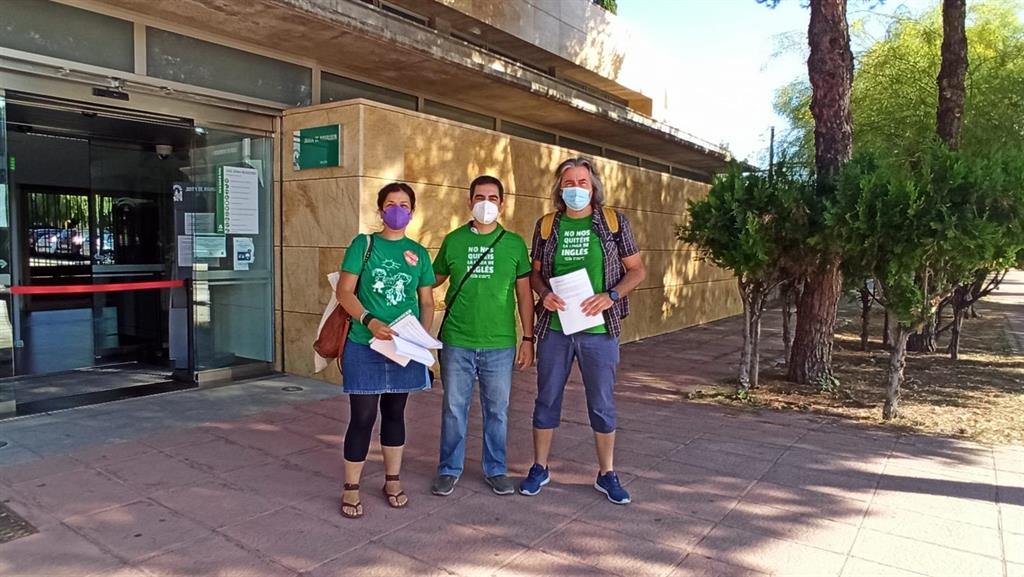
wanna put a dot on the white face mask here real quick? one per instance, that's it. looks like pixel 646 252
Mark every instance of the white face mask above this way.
pixel 485 212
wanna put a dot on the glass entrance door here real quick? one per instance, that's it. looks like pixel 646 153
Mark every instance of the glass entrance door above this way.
pixel 231 226
pixel 6 329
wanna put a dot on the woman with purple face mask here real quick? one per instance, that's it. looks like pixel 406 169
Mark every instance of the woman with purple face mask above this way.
pixel 383 276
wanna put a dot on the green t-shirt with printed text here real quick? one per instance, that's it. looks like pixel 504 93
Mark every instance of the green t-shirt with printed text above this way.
pixel 579 248
pixel 388 286
pixel 483 314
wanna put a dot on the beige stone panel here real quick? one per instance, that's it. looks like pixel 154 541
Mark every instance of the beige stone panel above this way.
pixel 348 116
pixel 301 285
pixel 533 167
pixel 670 268
pixel 661 310
pixel 278 340
pixel 654 230
pixel 321 212
pixel 299 334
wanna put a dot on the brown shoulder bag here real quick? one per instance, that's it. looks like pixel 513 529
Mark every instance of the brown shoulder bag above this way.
pixel 330 343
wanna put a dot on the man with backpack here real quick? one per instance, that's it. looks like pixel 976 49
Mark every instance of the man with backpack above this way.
pixel 582 234
pixel 489 270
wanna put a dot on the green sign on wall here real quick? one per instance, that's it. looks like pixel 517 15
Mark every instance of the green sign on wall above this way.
pixel 316 147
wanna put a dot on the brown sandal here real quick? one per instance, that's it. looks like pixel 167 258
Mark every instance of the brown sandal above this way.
pixel 393 501
pixel 351 510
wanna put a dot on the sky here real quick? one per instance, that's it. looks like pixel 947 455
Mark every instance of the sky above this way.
pixel 727 71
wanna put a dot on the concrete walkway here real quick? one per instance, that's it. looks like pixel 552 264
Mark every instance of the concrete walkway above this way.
pixel 244 481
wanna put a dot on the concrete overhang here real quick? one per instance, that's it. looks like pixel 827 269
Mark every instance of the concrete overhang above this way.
pixel 349 35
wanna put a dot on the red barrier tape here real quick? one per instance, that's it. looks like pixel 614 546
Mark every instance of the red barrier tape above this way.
pixel 95 288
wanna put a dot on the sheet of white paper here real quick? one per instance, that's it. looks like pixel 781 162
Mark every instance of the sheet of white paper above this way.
pixel 210 245
pixel 574 288
pixel 184 250
pixel 388 349
pixel 241 187
pixel 199 222
pixel 409 328
pixel 413 351
pixel 245 253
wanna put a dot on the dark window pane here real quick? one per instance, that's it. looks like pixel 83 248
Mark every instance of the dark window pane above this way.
pixel 622 157
pixel 579 145
pixel 458 114
pixel 334 88
pixel 191 61
pixel 655 165
pixel 526 132
pixel 62 31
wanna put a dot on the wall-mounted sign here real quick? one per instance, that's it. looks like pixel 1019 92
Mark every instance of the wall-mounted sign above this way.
pixel 317 147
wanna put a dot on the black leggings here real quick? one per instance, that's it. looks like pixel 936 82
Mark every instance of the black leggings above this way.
pixel 364 414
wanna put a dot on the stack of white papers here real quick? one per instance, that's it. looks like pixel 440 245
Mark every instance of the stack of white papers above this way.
pixel 574 288
pixel 410 343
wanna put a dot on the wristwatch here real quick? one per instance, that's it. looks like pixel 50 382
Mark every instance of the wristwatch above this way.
pixel 614 295
pixel 529 339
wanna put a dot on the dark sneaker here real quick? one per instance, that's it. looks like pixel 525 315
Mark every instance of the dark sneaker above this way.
pixel 444 485
pixel 610 486
pixel 501 485
pixel 537 478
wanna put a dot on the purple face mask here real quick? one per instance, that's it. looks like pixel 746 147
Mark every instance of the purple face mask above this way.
pixel 396 217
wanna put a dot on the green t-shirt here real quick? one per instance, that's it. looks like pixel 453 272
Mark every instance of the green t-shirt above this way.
pixel 483 315
pixel 579 247
pixel 388 287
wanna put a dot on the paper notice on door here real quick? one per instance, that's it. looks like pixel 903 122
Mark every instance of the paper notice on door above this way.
pixel 238 196
pixel 574 288
pixel 245 253
pixel 209 246
pixel 184 250
pixel 199 222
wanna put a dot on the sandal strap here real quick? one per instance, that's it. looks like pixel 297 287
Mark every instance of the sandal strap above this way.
pixel 392 477
pixel 351 486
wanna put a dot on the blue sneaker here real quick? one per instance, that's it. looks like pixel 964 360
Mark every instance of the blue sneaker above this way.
pixel 610 486
pixel 537 478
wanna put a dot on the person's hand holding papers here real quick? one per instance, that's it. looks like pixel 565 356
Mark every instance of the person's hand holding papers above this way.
pixel 575 289
pixel 406 341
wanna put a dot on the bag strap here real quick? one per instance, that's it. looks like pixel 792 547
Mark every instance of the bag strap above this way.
pixel 366 259
pixel 469 273
pixel 547 222
pixel 611 218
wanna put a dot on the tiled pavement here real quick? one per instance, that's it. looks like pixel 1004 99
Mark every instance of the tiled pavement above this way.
pixel 244 481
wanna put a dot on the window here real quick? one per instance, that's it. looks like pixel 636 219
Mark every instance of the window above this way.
pixel 655 166
pixel 191 61
pixel 61 31
pixel 458 114
pixel 579 145
pixel 334 88
pixel 622 157
pixel 526 132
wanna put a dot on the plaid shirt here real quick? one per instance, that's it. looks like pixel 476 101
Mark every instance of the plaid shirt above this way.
pixel 615 248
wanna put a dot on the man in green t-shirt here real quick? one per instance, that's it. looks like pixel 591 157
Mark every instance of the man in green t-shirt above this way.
pixel 489 272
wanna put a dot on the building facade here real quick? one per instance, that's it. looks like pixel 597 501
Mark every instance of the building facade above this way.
pixel 179 177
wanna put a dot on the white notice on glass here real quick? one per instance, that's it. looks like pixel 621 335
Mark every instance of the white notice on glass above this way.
pixel 241 200
pixel 184 250
pixel 574 288
pixel 199 222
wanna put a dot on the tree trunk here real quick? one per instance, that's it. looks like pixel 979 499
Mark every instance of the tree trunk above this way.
pixel 811 359
pixel 887 331
pixel 952 72
pixel 748 341
pixel 755 336
pixel 894 374
pixel 830 69
pixel 954 335
pixel 788 298
pixel 865 318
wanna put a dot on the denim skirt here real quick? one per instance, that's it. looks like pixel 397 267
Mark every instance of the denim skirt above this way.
pixel 364 371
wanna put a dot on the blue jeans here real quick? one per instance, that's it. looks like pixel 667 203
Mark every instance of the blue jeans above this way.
pixel 598 358
pixel 460 369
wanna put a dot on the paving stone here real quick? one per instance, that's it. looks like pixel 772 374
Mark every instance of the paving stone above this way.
pixel 611 551
pixel 856 567
pixel 215 504
pixel 283 482
pixel 328 462
pixel 112 453
pixel 750 449
pixel 1014 546
pixel 212 557
pixel 935 530
pixel 658 525
pixel 154 472
pixel 296 539
pixel 325 430
pixel 849 485
pixel 508 516
pixel 219 455
pixel 695 478
pixel 922 557
pixel 57 552
pixel 741 466
pixel 701 504
pixel 179 438
pixel 39 469
pixel 1013 518
pixel 789 526
pixel 459 549
pixel 700 566
pixel 807 502
pixel 375 560
pixel 137 530
pixel 273 439
pixel 768 555
pixel 76 493
pixel 538 564
pixel 971 511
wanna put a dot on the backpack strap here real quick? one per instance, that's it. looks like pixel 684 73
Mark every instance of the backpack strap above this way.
pixel 611 218
pixel 547 224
